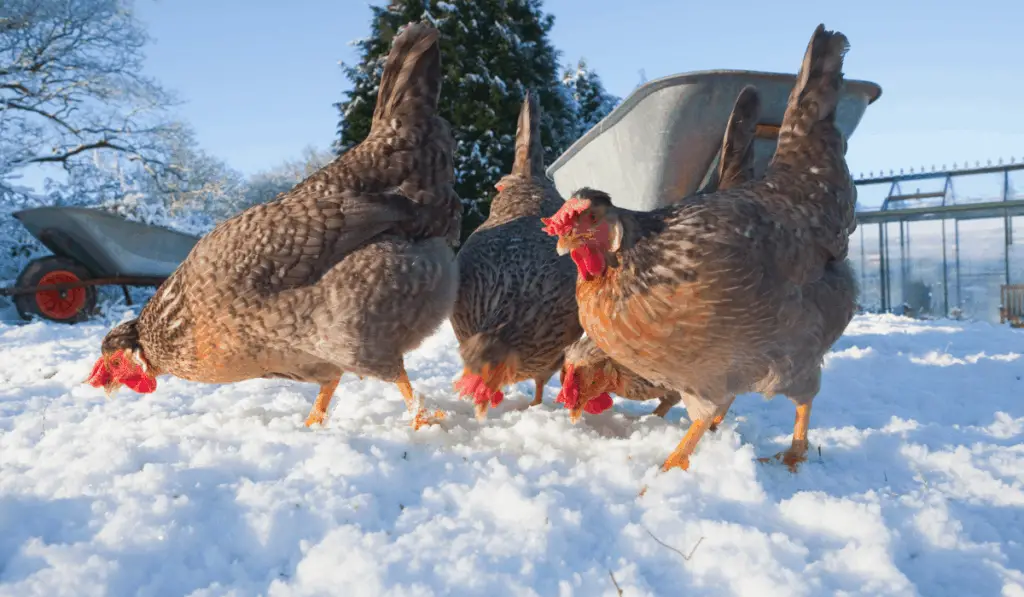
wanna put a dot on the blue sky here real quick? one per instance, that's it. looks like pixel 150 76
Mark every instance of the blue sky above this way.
pixel 259 77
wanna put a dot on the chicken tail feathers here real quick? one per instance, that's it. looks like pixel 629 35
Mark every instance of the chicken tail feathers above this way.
pixel 411 83
pixel 529 160
pixel 813 100
pixel 736 165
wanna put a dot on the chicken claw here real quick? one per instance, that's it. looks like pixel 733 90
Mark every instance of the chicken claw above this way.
pixel 797 452
pixel 422 419
pixel 414 404
pixel 315 418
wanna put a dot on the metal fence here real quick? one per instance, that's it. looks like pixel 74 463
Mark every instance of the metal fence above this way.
pixel 940 243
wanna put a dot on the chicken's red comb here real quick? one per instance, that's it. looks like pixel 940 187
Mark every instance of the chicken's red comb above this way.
pixel 569 395
pixel 598 405
pixel 561 222
pixel 100 375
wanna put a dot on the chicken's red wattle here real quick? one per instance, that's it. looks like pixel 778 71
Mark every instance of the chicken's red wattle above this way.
pixel 598 405
pixel 589 261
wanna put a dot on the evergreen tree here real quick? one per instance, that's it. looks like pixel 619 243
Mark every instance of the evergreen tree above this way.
pixel 589 100
pixel 492 52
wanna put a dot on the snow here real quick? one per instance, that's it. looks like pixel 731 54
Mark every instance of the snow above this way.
pixel 208 490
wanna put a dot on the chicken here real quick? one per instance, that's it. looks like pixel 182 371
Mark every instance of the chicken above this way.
pixel 589 374
pixel 741 290
pixel 348 271
pixel 516 310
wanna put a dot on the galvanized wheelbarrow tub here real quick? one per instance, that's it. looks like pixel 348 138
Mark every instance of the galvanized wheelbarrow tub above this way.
pixel 90 248
pixel 107 244
pixel 662 142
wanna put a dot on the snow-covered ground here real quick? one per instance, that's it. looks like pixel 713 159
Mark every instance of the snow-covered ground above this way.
pixel 209 491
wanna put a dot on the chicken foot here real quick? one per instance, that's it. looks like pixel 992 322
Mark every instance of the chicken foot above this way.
pixel 318 414
pixel 420 418
pixel 797 451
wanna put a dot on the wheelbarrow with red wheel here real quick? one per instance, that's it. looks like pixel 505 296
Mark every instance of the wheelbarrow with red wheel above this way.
pixel 91 248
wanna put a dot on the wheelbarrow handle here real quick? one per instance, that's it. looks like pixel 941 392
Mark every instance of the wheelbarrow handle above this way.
pixel 114 281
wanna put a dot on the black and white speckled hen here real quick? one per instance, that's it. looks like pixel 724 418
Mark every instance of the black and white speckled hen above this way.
pixel 516 309
pixel 348 271
pixel 589 375
pixel 742 290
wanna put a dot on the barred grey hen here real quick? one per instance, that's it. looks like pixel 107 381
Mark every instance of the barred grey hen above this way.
pixel 516 309
pixel 348 271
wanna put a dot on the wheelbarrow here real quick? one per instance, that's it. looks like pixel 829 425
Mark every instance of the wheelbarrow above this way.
pixel 663 142
pixel 91 248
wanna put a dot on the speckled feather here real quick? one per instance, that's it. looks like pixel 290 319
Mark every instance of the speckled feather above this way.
pixel 345 272
pixel 747 288
pixel 516 295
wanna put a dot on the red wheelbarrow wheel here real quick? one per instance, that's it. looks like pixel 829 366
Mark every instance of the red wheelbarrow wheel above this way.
pixel 63 306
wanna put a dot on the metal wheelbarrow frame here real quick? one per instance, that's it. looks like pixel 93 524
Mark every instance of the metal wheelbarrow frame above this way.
pixel 90 248
pixel 662 143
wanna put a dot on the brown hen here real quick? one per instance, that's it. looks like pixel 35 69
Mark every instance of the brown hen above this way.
pixel 589 375
pixel 516 310
pixel 742 290
pixel 346 272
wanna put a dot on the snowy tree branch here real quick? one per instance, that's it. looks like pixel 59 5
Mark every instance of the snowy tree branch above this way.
pixel 71 82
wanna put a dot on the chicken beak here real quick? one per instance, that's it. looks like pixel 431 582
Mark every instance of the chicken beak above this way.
pixel 564 245
pixel 576 413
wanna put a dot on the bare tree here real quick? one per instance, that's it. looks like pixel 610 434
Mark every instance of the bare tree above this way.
pixel 71 82
pixel 264 186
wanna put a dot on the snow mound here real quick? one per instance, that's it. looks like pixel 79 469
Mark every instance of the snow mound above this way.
pixel 205 490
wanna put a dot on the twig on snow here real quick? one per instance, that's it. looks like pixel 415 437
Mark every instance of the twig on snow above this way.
pixel 663 544
pixel 614 582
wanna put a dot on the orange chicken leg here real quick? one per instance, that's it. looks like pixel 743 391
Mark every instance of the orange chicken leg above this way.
pixel 681 456
pixel 797 451
pixel 323 401
pixel 538 396
pixel 422 419
pixel 405 387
